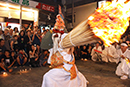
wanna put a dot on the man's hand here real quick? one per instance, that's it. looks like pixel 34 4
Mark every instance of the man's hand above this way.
pixel 23 55
pixel 122 57
pixel 36 59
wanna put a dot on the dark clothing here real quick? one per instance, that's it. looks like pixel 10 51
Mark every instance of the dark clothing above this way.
pixel 26 44
pixel 15 44
pixel 77 53
pixel 89 54
pixel 7 42
pixel 36 40
pixel 1 57
pixel 43 59
pixel 3 48
pixel 21 42
pixel 82 54
pixel 8 60
pixel 127 39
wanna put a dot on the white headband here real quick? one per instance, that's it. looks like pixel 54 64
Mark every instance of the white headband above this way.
pixel 124 44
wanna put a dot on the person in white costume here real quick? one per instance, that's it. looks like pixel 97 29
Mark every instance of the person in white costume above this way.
pixel 104 54
pixel 95 54
pixel 61 76
pixel 123 69
pixel 112 54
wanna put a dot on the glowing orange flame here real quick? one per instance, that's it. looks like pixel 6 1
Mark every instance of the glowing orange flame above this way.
pixel 110 21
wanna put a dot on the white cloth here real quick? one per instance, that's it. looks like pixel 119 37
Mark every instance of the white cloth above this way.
pixel 58 77
pixel 123 68
pixel 49 58
pixel 93 53
pixel 113 52
pixel 104 54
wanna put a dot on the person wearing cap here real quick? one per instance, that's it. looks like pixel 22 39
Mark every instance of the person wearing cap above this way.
pixel 123 69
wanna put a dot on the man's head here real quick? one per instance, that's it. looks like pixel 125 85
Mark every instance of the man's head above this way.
pixel 2 42
pixel 97 44
pixel 7 53
pixel 124 46
pixel 11 31
pixel 6 31
pixel 15 37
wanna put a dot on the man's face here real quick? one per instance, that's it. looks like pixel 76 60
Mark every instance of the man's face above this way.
pixel 11 31
pixel 16 38
pixel 123 48
pixel 6 53
pixel 43 29
pixel 2 43
pixel 97 44
pixel 6 32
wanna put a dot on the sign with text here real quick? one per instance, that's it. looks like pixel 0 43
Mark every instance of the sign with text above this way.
pixel 27 3
pixel 48 7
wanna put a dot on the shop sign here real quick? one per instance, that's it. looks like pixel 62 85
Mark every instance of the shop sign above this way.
pixel 27 3
pixel 34 4
pixel 48 7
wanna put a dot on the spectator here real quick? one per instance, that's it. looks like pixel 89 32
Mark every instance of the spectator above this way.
pixel 2 45
pixel 21 39
pixel 36 39
pixel 84 53
pixel 1 34
pixel 7 39
pixel 77 52
pixel 27 42
pixel 23 28
pixel 11 33
pixel 7 62
pixel 43 29
pixel 14 43
pixel 44 33
pixel 43 58
pixel 16 32
pixel 89 50
pixel 22 57
pixel 96 55
pixel 34 58
pixel 13 56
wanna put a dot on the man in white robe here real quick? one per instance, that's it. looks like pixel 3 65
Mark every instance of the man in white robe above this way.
pixel 95 55
pixel 60 77
pixel 123 69
pixel 104 54
pixel 112 54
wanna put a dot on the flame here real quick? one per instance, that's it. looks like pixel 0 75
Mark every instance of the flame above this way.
pixel 110 21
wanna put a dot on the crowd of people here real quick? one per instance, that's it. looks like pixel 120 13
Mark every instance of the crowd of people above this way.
pixel 23 48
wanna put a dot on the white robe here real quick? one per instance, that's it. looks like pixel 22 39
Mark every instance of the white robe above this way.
pixel 93 53
pixel 113 52
pixel 58 77
pixel 123 68
pixel 104 54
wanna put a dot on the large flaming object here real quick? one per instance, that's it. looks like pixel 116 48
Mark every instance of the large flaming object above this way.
pixel 108 23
